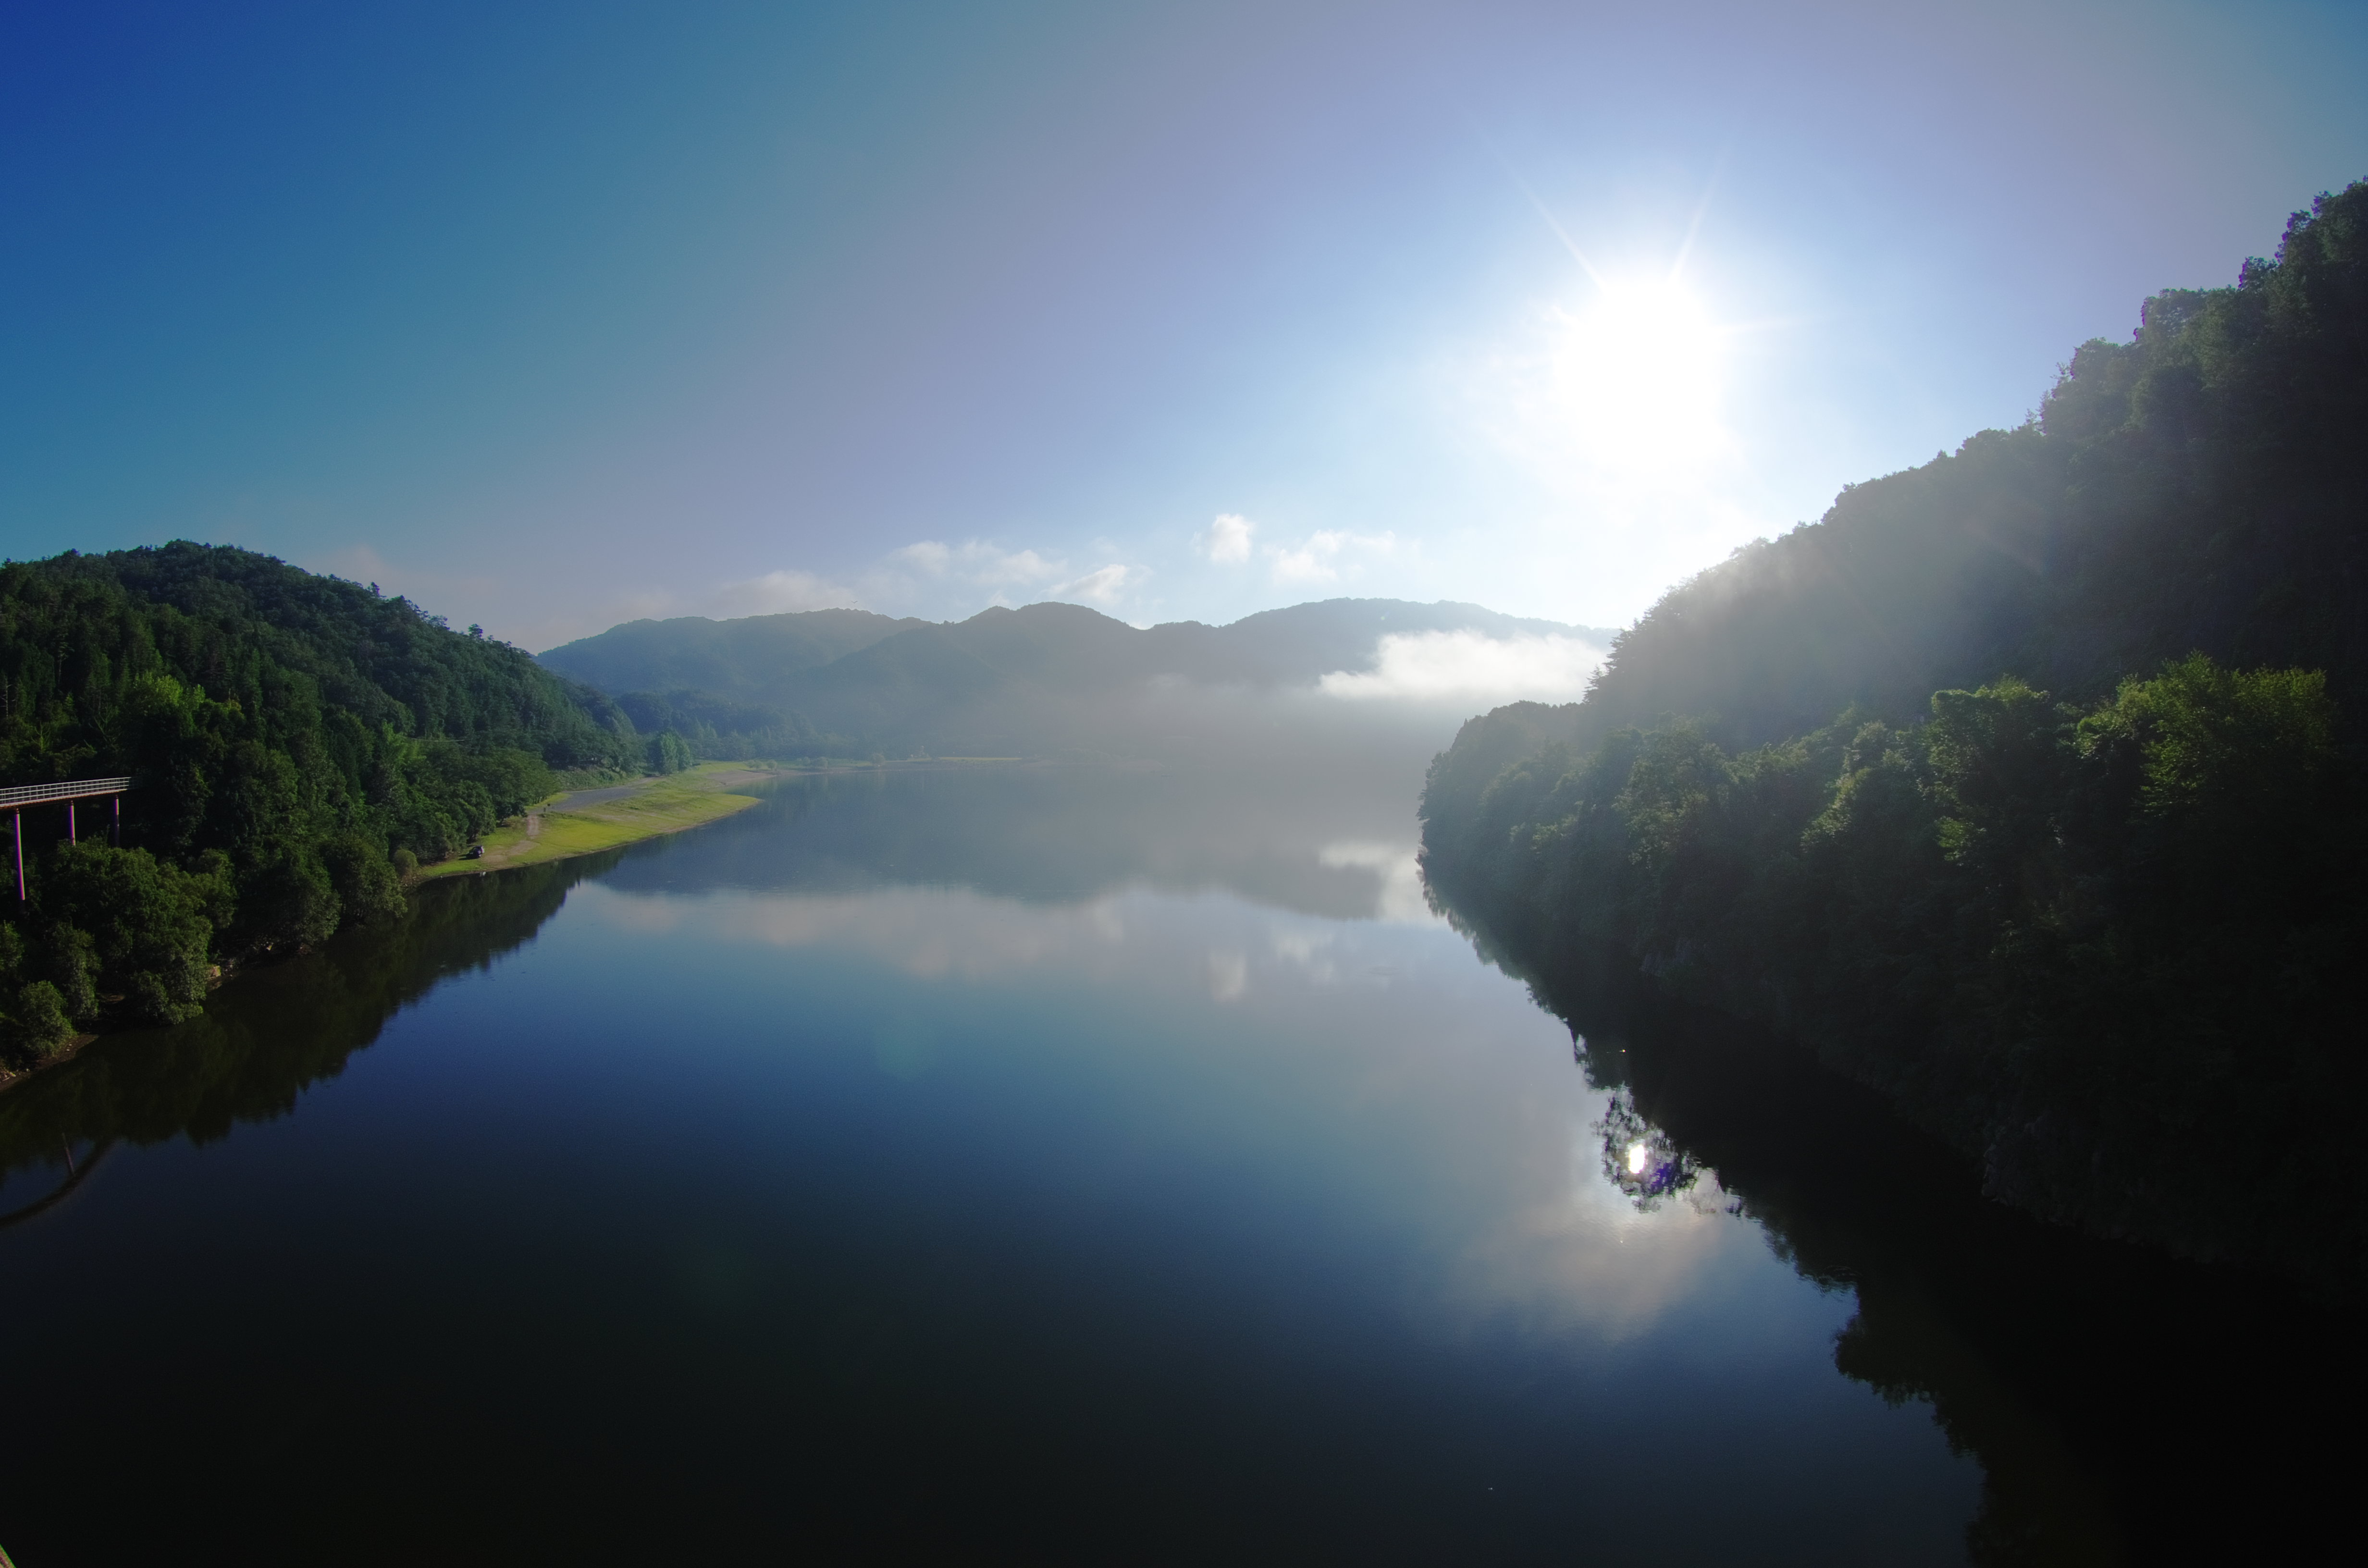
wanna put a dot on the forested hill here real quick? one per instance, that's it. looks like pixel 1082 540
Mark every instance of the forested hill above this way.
pixel 740 661
pixel 2197 488
pixel 2026 785
pixel 293 741
pixel 1029 680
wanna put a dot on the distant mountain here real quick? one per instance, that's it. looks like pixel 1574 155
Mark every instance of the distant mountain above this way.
pixel 1020 681
pixel 736 659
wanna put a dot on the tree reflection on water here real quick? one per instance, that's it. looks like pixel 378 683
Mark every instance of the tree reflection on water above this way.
pixel 1039 835
pixel 2100 1386
pixel 1640 1159
pixel 240 1061
pixel 2108 1394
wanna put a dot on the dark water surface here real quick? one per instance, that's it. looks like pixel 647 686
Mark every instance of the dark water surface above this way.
pixel 1053 1165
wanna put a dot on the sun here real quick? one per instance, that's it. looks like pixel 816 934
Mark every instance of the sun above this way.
pixel 1639 369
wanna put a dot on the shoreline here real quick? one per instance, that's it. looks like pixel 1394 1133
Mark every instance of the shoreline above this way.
pixel 608 817
pixel 12 1076
pixel 642 809
pixel 585 822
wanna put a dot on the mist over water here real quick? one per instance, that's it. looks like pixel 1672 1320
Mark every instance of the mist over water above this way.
pixel 1090 1162
pixel 1848 1067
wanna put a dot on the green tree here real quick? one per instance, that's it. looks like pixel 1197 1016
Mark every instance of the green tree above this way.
pixel 668 754
pixel 287 735
pixel 149 923
pixel 37 1026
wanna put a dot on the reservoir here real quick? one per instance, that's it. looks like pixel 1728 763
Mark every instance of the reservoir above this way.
pixel 1066 1164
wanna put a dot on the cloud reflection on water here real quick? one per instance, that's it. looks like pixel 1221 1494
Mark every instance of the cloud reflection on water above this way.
pixel 1439 1101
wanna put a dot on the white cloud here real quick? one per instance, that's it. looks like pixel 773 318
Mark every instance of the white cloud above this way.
pixel 1102 585
pixel 933 578
pixel 1227 542
pixel 1327 554
pixel 1468 667
pixel 777 593
pixel 1229 976
pixel 975 561
pixel 1021 566
pixel 927 556
pixel 1399 869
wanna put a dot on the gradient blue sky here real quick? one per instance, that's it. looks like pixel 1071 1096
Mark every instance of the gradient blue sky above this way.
pixel 555 315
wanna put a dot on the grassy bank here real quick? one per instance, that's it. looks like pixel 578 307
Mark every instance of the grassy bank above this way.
pixel 589 820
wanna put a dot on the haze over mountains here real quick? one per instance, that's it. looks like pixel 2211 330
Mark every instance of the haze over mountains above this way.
pixel 1052 677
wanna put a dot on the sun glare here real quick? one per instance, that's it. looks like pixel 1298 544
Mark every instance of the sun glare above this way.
pixel 1639 370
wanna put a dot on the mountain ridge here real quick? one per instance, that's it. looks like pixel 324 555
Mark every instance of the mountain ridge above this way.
pixel 603 660
pixel 1038 677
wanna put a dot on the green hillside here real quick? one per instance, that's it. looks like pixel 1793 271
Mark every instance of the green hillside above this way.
pixel 293 742
pixel 739 661
pixel 2025 786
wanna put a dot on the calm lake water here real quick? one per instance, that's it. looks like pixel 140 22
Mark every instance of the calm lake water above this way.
pixel 1058 1165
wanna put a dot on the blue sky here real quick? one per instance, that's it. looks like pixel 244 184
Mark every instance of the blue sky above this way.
pixel 552 316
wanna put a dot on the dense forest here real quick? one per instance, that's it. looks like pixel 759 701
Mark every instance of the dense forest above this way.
pixel 233 1065
pixel 2026 787
pixel 744 660
pixel 295 742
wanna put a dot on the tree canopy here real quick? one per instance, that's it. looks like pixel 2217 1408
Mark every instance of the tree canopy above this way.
pixel 289 737
pixel 2026 786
